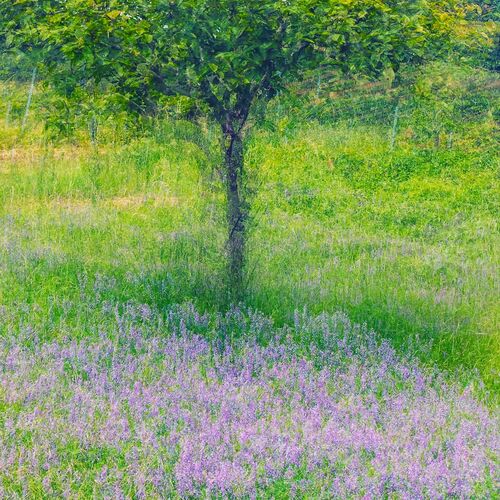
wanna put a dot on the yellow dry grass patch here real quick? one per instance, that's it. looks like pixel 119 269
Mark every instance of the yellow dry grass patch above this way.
pixel 35 154
pixel 134 201
pixel 83 205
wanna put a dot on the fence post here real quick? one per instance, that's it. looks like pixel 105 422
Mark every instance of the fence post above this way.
pixel 93 130
pixel 450 139
pixel 28 103
pixel 394 126
pixel 7 114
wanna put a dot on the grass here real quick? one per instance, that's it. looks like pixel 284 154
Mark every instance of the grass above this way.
pixel 405 240
pixel 108 388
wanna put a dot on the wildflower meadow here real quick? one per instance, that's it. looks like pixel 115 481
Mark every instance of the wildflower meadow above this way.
pixel 165 406
pixel 249 249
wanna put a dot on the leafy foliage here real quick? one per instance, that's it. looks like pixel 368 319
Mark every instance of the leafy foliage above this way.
pixel 222 53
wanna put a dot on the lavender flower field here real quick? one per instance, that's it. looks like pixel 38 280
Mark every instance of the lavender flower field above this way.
pixel 183 405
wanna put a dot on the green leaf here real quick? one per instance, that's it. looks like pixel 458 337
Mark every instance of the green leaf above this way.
pixel 114 14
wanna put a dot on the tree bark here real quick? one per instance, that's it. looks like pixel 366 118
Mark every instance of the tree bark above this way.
pixel 236 213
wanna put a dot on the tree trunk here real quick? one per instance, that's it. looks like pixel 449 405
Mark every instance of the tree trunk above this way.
pixel 235 214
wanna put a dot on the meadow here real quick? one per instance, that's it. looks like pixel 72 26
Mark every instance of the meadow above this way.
pixel 370 326
pixel 404 240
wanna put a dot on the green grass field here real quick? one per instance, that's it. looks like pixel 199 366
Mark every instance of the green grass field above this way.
pixel 405 241
pixel 125 371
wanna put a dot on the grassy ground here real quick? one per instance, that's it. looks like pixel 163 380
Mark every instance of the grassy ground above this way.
pixel 107 388
pixel 404 240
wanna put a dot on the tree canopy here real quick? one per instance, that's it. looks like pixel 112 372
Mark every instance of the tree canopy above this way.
pixel 222 53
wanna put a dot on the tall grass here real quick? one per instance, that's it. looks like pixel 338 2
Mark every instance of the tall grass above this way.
pixel 404 240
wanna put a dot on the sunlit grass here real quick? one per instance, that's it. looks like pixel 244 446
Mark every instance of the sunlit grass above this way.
pixel 406 241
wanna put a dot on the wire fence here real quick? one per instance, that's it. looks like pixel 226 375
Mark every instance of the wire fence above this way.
pixel 449 107
pixel 439 115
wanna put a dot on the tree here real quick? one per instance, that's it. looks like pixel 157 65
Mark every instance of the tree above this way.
pixel 223 54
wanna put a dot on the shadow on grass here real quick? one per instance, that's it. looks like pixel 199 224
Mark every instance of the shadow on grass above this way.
pixel 74 299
